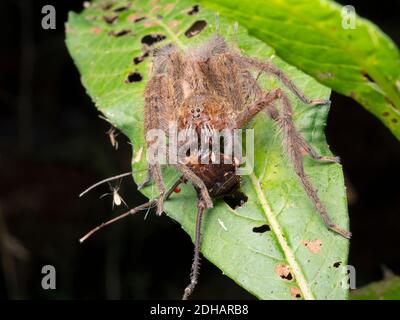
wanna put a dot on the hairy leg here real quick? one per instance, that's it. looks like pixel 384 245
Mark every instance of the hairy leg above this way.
pixel 194 274
pixel 147 180
pixel 197 182
pixel 158 179
pixel 249 62
pixel 264 102
pixel 295 144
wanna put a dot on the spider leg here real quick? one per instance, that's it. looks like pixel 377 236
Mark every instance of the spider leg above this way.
pixel 197 182
pixel 194 274
pixel 263 103
pixel 158 179
pixel 272 69
pixel 103 195
pixel 147 180
pixel 123 201
pixel 313 153
pixel 295 146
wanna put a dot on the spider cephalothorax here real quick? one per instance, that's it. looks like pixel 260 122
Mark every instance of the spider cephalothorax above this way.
pixel 211 88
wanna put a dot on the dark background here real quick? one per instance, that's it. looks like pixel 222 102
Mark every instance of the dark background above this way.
pixel 53 145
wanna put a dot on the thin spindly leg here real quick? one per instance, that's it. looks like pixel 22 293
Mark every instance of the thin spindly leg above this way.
pixel 197 182
pixel 194 274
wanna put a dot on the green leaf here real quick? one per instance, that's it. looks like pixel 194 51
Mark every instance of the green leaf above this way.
pixel 275 196
pixel 362 63
pixel 387 289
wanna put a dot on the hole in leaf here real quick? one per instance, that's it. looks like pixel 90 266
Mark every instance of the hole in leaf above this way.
pixel 193 10
pixel 150 39
pixel 110 19
pixel 295 292
pixel 367 76
pixel 236 200
pixel 139 19
pixel 261 229
pixel 284 272
pixel 134 77
pixel 195 28
pixel 119 33
pixel 123 8
pixel 139 59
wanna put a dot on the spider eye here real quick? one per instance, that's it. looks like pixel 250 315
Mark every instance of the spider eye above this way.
pixel 198 110
pixel 192 110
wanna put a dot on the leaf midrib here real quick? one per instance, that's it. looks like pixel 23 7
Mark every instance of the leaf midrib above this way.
pixel 287 250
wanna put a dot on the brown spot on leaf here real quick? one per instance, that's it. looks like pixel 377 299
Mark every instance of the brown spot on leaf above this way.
pixel 119 33
pixel 313 245
pixel 394 120
pixel 195 28
pixel 174 23
pixel 169 6
pixel 149 24
pixel 135 18
pixel 283 270
pixel 295 292
pixel 155 9
pixel 337 264
pixel 385 114
pixel 96 30
pixel 110 19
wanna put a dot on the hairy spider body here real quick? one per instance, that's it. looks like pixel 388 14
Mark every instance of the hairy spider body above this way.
pixel 211 88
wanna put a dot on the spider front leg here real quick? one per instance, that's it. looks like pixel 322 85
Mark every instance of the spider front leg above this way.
pixel 154 173
pixel 197 182
pixel 194 274
pixel 295 145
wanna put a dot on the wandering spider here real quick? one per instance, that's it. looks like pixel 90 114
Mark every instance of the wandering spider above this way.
pixel 211 87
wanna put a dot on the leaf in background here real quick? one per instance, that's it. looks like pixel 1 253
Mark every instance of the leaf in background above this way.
pixel 388 289
pixel 362 63
pixel 293 254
